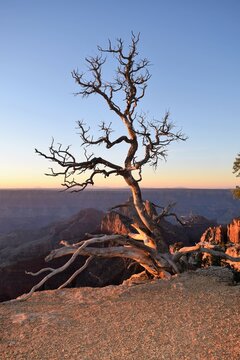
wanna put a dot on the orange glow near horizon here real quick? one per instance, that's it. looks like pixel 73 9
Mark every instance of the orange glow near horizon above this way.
pixel 166 176
pixel 150 180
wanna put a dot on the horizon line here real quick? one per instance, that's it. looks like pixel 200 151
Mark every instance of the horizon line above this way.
pixel 117 188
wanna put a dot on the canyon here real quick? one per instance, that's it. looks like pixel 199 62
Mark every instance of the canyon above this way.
pixel 33 222
pixel 30 209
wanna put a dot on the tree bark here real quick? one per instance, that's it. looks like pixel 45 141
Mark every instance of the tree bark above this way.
pixel 156 238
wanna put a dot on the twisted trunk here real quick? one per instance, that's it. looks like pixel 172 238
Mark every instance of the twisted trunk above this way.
pixel 156 238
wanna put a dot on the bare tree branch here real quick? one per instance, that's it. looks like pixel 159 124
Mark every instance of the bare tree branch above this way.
pixel 122 96
pixel 200 249
pixel 86 139
pixel 156 264
pixel 77 272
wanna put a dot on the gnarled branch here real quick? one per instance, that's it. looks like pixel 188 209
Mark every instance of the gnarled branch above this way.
pixel 201 249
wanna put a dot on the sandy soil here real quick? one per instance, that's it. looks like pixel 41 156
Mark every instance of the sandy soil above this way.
pixel 192 316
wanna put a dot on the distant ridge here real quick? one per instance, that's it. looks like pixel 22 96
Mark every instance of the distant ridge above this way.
pixel 28 208
pixel 96 188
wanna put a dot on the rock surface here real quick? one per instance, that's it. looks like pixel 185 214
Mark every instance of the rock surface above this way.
pixel 216 235
pixel 220 235
pixel 227 237
pixel 233 231
pixel 116 223
pixel 192 316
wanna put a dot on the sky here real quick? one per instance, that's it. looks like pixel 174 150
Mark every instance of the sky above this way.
pixel 194 50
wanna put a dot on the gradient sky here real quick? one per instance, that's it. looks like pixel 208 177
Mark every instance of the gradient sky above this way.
pixel 194 49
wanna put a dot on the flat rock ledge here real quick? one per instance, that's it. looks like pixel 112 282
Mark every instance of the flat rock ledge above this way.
pixel 195 315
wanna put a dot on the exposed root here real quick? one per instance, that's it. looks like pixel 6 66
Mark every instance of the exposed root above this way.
pixel 39 272
pixel 159 265
pixel 200 249
pixel 76 273
pixel 55 271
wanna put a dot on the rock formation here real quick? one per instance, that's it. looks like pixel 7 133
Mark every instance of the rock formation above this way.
pixel 222 235
pixel 233 231
pixel 216 235
pixel 116 223
pixel 228 237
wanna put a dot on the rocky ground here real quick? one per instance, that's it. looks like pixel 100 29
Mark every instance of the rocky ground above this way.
pixel 193 316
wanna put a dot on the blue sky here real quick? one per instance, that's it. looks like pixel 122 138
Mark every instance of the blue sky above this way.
pixel 194 50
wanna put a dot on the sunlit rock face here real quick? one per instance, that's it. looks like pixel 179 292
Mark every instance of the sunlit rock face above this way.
pixel 216 235
pixel 233 231
pixel 226 236
pixel 116 223
pixel 220 235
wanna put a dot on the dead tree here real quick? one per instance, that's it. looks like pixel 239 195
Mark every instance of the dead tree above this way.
pixel 147 142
